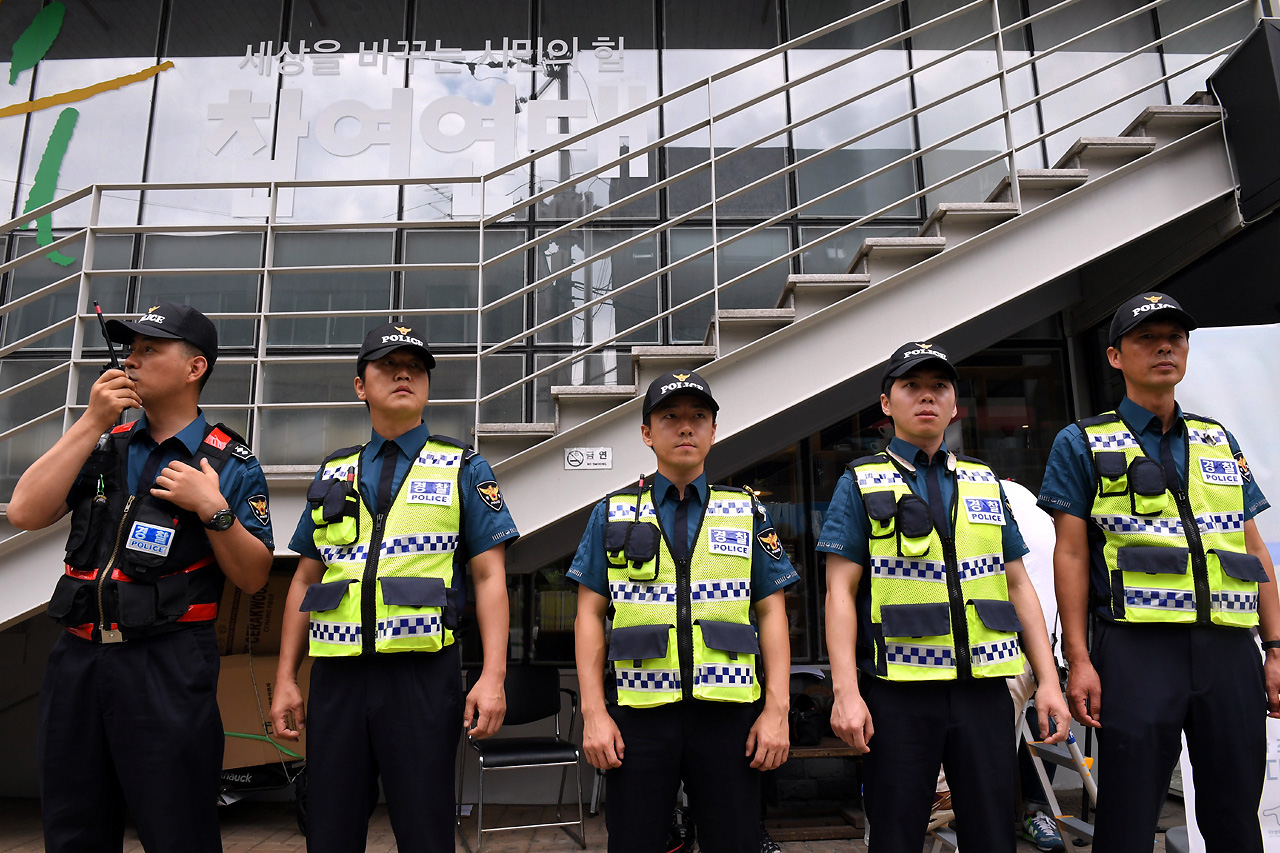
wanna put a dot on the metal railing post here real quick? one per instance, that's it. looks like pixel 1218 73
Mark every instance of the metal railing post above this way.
pixel 82 308
pixel 475 432
pixel 1015 191
pixel 715 222
pixel 268 261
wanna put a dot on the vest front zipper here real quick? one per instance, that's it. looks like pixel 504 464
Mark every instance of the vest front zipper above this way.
pixel 368 587
pixel 112 636
pixel 1199 566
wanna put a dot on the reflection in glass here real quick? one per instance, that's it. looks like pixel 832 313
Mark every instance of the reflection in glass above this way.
pixel 1184 50
pixel 758 290
pixel 835 254
pixel 110 252
pixel 457 288
pixel 329 290
pixel 210 292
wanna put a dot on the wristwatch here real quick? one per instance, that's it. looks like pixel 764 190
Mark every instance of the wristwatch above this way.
pixel 222 520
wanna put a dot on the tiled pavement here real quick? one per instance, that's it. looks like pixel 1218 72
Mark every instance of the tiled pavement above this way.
pixel 269 827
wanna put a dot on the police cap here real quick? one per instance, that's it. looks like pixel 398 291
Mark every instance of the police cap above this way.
pixel 678 382
pixel 170 320
pixel 911 355
pixel 392 336
pixel 1148 306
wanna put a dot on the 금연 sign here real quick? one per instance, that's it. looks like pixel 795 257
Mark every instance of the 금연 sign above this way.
pixel 588 458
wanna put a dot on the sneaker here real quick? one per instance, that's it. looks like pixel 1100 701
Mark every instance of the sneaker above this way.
pixel 767 844
pixel 942 814
pixel 1042 831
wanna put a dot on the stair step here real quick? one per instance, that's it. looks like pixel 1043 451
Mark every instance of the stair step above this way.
pixel 576 404
pixel 650 362
pixel 957 222
pixel 1036 186
pixel 1200 98
pixel 1055 754
pixel 1168 123
pixel 881 257
pixel 499 441
pixel 1102 154
pixel 741 326
pixel 806 293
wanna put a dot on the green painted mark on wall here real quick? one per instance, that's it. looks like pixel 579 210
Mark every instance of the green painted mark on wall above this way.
pixel 46 182
pixel 36 39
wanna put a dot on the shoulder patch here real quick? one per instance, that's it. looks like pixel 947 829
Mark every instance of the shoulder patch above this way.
pixel 1187 416
pixel 970 459
pixel 490 494
pixel 1098 420
pixel 241 451
pixel 1244 467
pixel 123 427
pixel 258 506
pixel 337 454
pixel 867 460
pixel 768 539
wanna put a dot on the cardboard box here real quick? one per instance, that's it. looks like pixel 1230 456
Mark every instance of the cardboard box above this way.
pixel 246 686
pixel 250 624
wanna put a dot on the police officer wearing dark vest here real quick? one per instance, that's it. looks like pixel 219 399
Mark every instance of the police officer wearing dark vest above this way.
pixel 385 541
pixel 162 509
pixel 685 568
pixel 1154 512
pixel 929 611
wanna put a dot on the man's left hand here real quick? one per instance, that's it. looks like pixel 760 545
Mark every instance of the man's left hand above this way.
pixel 486 706
pixel 769 740
pixel 192 489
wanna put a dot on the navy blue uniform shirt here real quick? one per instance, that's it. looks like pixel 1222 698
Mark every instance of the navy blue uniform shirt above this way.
pixel 591 568
pixel 847 529
pixel 483 527
pixel 1069 479
pixel 241 481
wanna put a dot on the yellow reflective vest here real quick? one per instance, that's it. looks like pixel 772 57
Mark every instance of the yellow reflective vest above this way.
pixel 940 606
pixel 1173 554
pixel 388 583
pixel 682 629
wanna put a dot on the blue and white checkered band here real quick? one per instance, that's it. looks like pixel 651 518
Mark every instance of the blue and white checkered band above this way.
pixel 1134 524
pixel 418 625
pixel 975 476
pixel 980 567
pixel 1240 602
pixel 439 460
pixel 724 674
pixel 343 633
pixel 344 553
pixel 914 655
pixel 871 479
pixel 1111 441
pixel 720 590
pixel 339 473
pixel 916 570
pixel 1220 522
pixel 726 506
pixel 1159 599
pixel 420 543
pixel 648 680
pixel 643 593
pixel 1212 436
pixel 627 512
pixel 986 653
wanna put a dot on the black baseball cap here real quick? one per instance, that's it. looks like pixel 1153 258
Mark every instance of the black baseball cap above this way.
pixel 678 382
pixel 911 355
pixel 1148 306
pixel 170 320
pixel 392 336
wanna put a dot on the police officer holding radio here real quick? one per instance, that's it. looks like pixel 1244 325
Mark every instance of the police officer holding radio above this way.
pixel 683 567
pixel 388 532
pixel 162 509
pixel 929 610
pixel 1156 542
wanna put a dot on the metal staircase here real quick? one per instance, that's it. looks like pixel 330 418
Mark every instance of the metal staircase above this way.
pixel 993 249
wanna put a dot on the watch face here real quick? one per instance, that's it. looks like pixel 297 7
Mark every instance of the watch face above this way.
pixel 222 520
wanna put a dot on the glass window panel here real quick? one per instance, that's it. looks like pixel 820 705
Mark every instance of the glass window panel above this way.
pixel 225 28
pixel 759 290
pixel 43 397
pixel 612 270
pixel 469 25
pixel 1185 50
pixel 599 368
pixel 305 436
pixel 497 371
pixel 554 609
pixel 719 25
pixel 16 18
pixel 835 254
pixel 11 130
pixel 812 14
pixel 230 384
pixel 210 291
pixel 347 290
pixel 348 23
pixel 106 29
pixel 1083 57
pixel 110 253
pixel 308 382
pixel 19 452
pixel 459 288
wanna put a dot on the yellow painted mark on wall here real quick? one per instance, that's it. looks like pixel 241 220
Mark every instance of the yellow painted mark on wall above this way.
pixel 74 95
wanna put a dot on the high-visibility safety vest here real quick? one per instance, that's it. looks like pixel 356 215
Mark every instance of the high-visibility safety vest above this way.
pixel 940 606
pixel 682 629
pixel 1173 554
pixel 138 565
pixel 389 582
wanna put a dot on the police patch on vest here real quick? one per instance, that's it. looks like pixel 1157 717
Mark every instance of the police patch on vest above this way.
pixel 984 510
pixel 149 539
pixel 726 540
pixel 490 494
pixel 258 506
pixel 1220 472
pixel 768 539
pixel 430 492
pixel 1244 467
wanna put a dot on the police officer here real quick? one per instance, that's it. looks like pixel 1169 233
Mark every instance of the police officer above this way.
pixel 929 610
pixel 1154 513
pixel 683 567
pixel 162 508
pixel 385 539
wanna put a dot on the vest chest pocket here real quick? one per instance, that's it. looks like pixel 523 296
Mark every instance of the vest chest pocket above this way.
pixel 639 643
pixel 1241 566
pixel 882 508
pixel 994 649
pixel 324 597
pixel 147 542
pixel 335 510
pixel 914 526
pixel 1113 473
pixel 915 620
pixel 729 639
pixel 1148 493
pixel 72 601
pixel 1234 601
pixel 635 545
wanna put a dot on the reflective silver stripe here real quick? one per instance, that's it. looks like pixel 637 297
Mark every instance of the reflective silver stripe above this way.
pixel 1111 440
pixel 643 593
pixel 415 625
pixel 1159 599
pixel 420 543
pixel 719 590
pixel 338 473
pixel 648 680
pixel 1220 522
pixel 1211 437
pixel 728 675
pixel 341 633
pixel 870 479
pixel 344 553
pixel 911 654
pixel 976 476
pixel 431 459
pixel 1238 602
pixel 628 512
pixel 995 652
pixel 1136 524
pixel 980 567
pixel 726 506
pixel 901 567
